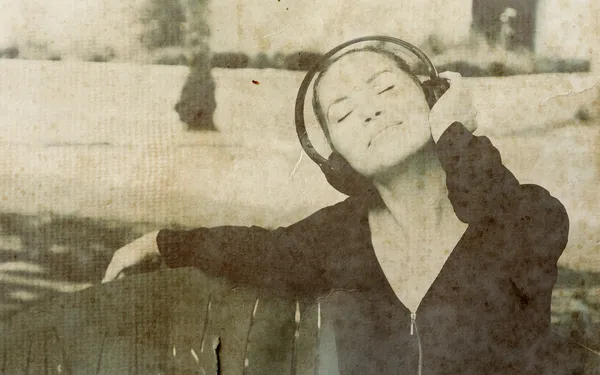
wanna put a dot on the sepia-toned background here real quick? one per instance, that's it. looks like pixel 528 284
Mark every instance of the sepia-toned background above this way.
pixel 94 153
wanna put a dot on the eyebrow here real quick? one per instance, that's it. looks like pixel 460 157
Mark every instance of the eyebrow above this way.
pixel 377 75
pixel 340 99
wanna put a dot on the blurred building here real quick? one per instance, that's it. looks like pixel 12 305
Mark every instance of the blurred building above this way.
pixel 552 28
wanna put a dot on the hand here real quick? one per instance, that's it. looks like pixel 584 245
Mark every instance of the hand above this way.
pixel 456 104
pixel 141 254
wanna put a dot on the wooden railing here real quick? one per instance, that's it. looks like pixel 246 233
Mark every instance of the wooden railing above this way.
pixel 168 322
pixel 172 322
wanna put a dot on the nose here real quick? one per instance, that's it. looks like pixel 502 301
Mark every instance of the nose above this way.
pixel 369 118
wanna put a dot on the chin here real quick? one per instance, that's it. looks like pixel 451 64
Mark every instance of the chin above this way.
pixel 393 155
pixel 384 167
pixel 387 156
pixel 390 161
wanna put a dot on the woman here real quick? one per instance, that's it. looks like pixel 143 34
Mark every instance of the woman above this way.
pixel 452 261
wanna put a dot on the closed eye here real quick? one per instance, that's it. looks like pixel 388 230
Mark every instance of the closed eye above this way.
pixel 386 89
pixel 344 117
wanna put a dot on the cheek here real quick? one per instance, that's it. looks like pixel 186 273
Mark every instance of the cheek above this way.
pixel 354 149
pixel 348 139
pixel 414 114
pixel 411 102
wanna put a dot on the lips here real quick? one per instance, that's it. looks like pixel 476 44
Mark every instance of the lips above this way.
pixel 382 131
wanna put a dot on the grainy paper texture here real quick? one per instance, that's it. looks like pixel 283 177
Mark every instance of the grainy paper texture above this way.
pixel 94 155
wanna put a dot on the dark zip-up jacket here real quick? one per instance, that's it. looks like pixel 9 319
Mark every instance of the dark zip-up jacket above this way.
pixel 487 312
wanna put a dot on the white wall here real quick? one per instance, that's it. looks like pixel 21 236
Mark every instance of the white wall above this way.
pixel 8 11
pixel 290 25
pixel 566 29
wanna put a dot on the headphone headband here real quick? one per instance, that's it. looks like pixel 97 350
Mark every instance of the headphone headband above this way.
pixel 301 97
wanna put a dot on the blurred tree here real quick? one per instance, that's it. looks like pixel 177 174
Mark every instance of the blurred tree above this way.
pixel 261 61
pixel 302 60
pixel 171 56
pixel 105 54
pixel 11 52
pixel 278 61
pixel 434 45
pixel 230 60
pixel 162 22
pixel 197 102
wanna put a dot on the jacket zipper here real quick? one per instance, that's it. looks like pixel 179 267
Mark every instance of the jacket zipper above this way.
pixel 414 329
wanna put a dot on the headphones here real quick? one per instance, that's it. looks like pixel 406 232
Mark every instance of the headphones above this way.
pixel 337 170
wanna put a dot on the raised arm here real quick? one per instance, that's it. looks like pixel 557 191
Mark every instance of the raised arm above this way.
pixel 479 185
pixel 541 225
pixel 485 193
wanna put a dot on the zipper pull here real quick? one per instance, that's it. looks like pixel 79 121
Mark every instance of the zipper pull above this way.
pixel 413 318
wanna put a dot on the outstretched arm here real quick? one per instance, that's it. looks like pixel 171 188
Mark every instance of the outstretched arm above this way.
pixel 295 258
pixel 280 258
pixel 248 255
pixel 303 258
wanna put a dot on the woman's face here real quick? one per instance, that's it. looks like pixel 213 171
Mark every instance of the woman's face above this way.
pixel 376 113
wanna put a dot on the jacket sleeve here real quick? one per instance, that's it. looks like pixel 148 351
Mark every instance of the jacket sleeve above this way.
pixel 479 185
pixel 481 188
pixel 287 258
pixel 541 225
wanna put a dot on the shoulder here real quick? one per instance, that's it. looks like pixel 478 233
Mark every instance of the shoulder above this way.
pixel 344 213
pixel 538 200
pixel 540 213
pixel 340 226
pixel 540 237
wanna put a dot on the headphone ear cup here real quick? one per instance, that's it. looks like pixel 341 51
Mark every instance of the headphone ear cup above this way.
pixel 434 89
pixel 430 96
pixel 340 174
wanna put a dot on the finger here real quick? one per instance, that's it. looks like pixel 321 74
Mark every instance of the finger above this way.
pixel 112 272
pixel 450 75
pixel 108 277
pixel 454 79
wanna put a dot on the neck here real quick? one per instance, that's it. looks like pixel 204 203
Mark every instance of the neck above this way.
pixel 416 185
